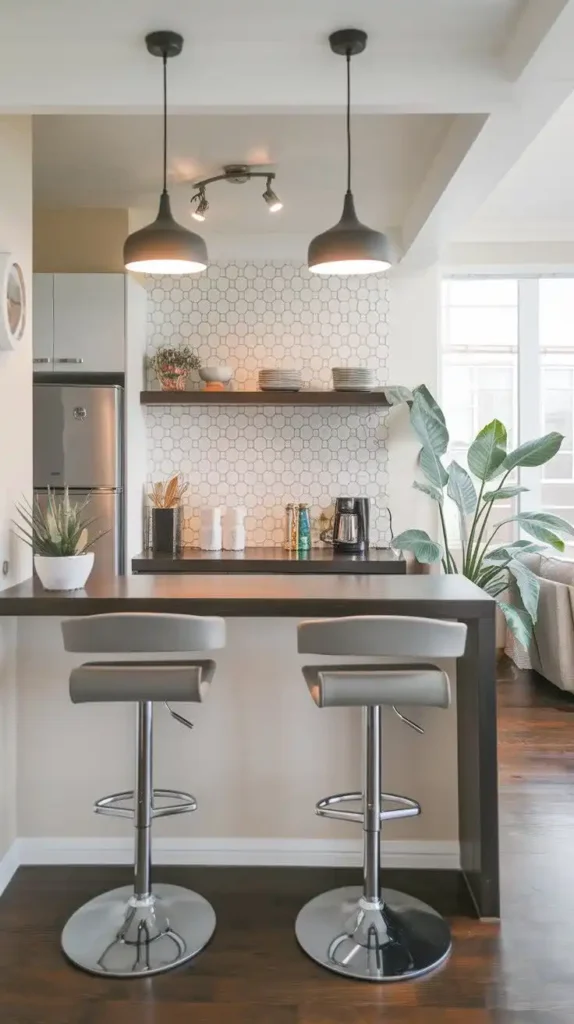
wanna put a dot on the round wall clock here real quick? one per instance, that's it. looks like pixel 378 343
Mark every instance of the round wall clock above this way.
pixel 12 302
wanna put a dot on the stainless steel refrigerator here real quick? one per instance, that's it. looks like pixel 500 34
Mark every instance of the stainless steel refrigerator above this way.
pixel 78 443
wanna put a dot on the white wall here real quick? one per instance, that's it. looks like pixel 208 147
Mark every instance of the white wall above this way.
pixel 134 414
pixel 15 435
pixel 260 755
pixel 413 359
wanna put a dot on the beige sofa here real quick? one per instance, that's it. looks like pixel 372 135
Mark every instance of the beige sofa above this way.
pixel 551 652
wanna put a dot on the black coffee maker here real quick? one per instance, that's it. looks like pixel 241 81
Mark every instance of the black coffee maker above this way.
pixel 351 526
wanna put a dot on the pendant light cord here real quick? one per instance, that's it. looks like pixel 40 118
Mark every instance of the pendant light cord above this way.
pixel 165 123
pixel 348 121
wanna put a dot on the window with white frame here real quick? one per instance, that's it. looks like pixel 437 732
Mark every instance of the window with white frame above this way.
pixel 508 352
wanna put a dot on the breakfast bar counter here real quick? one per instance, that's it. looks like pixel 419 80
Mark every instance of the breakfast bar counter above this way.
pixel 266 658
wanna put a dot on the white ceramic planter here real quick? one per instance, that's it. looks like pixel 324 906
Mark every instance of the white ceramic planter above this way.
pixel 68 573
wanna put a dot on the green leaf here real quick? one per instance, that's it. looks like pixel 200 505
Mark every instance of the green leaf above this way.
pixel 493 581
pixel 397 395
pixel 433 468
pixel 433 492
pixel 518 621
pixel 425 394
pixel 428 425
pixel 488 451
pixel 528 585
pixel 461 489
pixel 534 453
pixel 503 493
pixel 543 526
pixel 505 554
pixel 419 544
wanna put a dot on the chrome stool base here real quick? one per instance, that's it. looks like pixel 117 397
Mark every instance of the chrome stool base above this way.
pixel 392 940
pixel 118 936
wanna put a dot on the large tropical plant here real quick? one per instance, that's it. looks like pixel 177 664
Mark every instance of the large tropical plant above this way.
pixel 497 570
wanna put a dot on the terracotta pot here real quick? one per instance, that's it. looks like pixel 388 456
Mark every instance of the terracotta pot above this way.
pixel 172 378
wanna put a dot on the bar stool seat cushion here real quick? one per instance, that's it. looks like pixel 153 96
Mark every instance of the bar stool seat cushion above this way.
pixel 372 685
pixel 99 682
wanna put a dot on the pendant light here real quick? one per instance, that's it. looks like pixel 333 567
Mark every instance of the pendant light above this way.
pixel 349 247
pixel 165 247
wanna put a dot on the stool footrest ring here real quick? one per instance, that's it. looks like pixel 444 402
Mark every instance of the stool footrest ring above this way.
pixel 328 807
pixel 114 805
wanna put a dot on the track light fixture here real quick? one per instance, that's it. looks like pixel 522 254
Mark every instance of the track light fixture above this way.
pixel 235 174
pixel 164 246
pixel 349 247
pixel 202 205
pixel 273 201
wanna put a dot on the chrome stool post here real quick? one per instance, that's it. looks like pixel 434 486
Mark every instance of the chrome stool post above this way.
pixel 142 929
pixel 372 933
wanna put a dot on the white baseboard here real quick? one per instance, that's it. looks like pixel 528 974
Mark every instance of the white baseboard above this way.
pixel 9 865
pixel 239 852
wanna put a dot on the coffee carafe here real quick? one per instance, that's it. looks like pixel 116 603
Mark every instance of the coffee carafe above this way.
pixel 351 525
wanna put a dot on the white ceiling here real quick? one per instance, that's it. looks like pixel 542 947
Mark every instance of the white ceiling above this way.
pixel 112 160
pixel 258 53
pixel 448 96
pixel 536 198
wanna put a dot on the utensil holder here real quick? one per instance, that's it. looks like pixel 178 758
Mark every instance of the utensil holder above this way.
pixel 166 530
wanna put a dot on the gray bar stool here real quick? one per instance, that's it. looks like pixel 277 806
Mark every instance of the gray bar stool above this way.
pixel 137 930
pixel 367 932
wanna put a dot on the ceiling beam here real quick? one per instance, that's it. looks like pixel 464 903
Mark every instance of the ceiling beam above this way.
pixel 214 80
pixel 478 152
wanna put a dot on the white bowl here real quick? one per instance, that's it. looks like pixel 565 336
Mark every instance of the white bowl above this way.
pixel 216 374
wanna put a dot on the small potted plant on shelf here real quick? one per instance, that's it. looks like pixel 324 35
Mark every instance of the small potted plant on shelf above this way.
pixel 58 536
pixel 173 366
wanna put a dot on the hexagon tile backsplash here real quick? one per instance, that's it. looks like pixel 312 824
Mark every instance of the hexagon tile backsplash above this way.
pixel 254 315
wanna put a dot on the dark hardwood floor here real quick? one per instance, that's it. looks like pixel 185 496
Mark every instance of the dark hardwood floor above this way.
pixel 520 972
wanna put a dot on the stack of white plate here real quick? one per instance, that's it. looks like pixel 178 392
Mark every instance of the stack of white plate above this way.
pixel 280 380
pixel 351 378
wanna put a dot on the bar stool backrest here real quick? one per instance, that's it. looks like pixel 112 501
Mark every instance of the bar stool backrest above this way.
pixel 143 632
pixel 394 636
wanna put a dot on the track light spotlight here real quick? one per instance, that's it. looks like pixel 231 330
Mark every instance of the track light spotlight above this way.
pixel 202 206
pixel 273 201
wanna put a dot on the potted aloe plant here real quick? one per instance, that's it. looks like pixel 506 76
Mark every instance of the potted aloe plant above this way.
pixel 58 536
pixel 497 569
pixel 173 366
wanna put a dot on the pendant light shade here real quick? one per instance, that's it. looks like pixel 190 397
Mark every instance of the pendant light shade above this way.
pixel 164 246
pixel 349 247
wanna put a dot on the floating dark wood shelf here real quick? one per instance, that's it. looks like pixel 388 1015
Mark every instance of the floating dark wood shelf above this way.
pixel 332 398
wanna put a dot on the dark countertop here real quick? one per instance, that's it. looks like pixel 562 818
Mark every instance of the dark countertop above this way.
pixel 272 560
pixel 250 595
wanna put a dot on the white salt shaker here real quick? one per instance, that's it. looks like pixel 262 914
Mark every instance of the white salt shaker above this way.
pixel 234 529
pixel 210 529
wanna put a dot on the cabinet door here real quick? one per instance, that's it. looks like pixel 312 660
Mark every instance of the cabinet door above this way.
pixel 89 328
pixel 43 321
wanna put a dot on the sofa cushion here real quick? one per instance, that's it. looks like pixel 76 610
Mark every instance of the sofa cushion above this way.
pixel 559 570
pixel 531 560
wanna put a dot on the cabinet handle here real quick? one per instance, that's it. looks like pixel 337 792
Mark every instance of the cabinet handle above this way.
pixel 41 360
pixel 69 359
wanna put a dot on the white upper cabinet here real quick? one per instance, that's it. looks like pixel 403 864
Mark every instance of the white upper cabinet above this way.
pixel 88 318
pixel 43 321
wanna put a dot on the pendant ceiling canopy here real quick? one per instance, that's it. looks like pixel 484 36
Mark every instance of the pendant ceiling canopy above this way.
pixel 349 247
pixel 164 246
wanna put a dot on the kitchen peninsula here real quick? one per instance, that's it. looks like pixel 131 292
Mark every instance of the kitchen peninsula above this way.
pixel 247 758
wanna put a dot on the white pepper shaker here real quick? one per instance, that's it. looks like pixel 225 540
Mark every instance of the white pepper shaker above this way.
pixel 234 529
pixel 210 529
